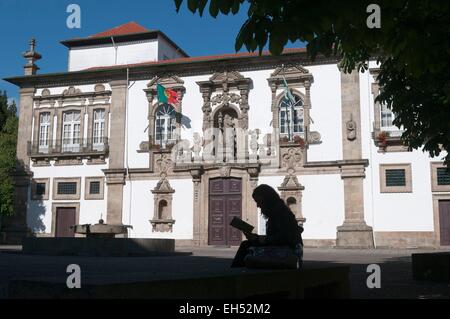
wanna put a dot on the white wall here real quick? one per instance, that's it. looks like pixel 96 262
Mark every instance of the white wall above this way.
pixel 81 58
pixel 39 216
pixel 322 204
pixel 326 112
pixel 393 211
pixel 166 51
pixel 138 193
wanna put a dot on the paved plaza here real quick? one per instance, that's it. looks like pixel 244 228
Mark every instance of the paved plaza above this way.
pixel 396 271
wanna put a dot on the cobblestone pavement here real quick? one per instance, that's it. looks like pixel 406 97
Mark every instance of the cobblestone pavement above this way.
pixel 396 272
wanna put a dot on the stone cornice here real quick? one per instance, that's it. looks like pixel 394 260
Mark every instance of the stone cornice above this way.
pixel 167 68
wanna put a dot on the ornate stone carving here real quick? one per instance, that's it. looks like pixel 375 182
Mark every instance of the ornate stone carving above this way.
pixel 71 91
pixel 314 138
pixel 99 88
pixel 46 92
pixel 254 145
pixel 291 193
pixel 225 171
pixel 291 158
pixel 196 149
pixel 351 129
pixel 163 163
pixel 162 219
pixel 226 98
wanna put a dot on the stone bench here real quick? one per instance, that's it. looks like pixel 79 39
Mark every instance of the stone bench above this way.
pixel 97 247
pixel 330 282
pixel 431 266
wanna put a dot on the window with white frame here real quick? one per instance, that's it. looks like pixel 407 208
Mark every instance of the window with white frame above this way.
pixel 165 125
pixel 71 131
pixel 44 130
pixel 291 117
pixel 387 117
pixel 99 127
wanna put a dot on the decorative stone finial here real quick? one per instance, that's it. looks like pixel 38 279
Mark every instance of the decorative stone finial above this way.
pixel 31 56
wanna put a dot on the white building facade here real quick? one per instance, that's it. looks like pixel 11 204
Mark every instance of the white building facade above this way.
pixel 96 142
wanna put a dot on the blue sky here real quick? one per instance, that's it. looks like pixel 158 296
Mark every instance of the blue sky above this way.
pixel 46 21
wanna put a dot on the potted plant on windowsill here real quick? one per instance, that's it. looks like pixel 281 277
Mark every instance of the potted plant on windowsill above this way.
pixel 300 141
pixel 382 139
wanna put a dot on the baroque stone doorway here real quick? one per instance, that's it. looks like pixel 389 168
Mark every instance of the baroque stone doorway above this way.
pixel 225 202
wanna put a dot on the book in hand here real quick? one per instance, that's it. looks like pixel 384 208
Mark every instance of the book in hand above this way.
pixel 241 225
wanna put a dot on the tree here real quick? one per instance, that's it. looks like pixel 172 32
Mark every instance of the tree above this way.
pixel 411 45
pixel 8 141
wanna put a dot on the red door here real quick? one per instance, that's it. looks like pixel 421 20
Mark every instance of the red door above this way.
pixel 65 218
pixel 225 202
pixel 444 221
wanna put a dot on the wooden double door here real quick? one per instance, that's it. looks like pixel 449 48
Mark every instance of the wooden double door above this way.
pixel 444 222
pixel 225 202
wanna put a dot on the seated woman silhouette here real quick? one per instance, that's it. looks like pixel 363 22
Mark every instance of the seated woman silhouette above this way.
pixel 281 227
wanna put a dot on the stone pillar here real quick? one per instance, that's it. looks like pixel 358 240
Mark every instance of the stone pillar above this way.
pixel 196 179
pixel 115 175
pixel 16 225
pixel 115 179
pixel 354 232
pixel 253 174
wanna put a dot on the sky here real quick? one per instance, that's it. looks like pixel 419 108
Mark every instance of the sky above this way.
pixel 20 20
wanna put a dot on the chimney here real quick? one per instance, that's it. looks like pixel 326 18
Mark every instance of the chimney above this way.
pixel 31 56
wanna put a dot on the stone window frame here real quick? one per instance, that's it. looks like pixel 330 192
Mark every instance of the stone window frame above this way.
pixel 55 207
pixel 87 183
pixel 302 96
pixel 396 189
pixel 388 143
pixel 65 109
pixel 57 196
pixel 173 83
pixel 34 183
pixel 434 185
pixel 90 120
pixel 37 115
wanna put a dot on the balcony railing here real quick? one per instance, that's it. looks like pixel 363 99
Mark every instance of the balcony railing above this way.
pixel 68 147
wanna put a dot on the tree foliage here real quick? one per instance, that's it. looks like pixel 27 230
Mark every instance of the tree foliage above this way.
pixel 8 141
pixel 412 47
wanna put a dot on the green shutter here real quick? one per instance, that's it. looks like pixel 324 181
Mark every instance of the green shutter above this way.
pixel 395 177
pixel 443 176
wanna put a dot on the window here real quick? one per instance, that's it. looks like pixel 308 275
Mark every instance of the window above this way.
pixel 99 127
pixel 94 188
pixel 71 131
pixel 165 125
pixel 440 177
pixel 39 189
pixel 386 117
pixel 291 117
pixel 67 188
pixel 395 178
pixel 44 130
pixel 443 176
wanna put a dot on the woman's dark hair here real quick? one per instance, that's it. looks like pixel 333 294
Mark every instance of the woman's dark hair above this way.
pixel 268 194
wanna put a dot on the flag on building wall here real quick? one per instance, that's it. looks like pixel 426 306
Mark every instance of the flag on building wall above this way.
pixel 167 95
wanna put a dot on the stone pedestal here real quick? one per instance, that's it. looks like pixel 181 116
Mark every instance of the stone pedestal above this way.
pixel 354 235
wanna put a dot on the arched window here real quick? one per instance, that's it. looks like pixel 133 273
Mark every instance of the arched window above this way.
pixel 44 130
pixel 291 117
pixel 165 125
pixel 71 131
pixel 99 127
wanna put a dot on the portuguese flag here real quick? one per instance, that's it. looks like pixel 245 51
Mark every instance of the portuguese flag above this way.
pixel 167 95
